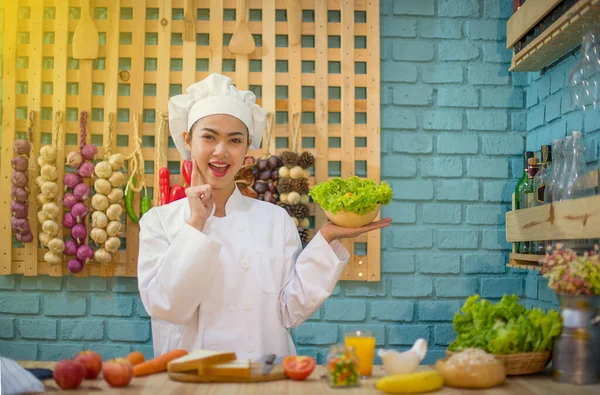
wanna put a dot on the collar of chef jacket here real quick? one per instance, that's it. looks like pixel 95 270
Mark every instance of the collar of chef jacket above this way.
pixel 236 202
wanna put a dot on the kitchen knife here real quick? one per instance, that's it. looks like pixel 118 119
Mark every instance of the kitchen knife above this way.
pixel 269 363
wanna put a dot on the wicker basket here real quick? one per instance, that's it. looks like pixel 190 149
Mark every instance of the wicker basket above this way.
pixel 522 363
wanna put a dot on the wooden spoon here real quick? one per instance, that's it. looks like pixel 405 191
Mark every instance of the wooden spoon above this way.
pixel 242 42
pixel 85 37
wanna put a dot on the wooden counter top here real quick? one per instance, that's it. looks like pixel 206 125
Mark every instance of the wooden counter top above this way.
pixel 540 384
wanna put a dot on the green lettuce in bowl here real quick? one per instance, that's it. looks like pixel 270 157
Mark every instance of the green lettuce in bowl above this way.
pixel 353 202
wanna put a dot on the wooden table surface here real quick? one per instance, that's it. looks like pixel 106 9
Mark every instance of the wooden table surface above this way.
pixel 540 384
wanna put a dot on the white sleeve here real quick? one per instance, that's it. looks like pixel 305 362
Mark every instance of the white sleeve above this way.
pixel 174 275
pixel 311 275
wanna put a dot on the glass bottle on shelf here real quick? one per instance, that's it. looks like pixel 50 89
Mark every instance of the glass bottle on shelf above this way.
pixel 556 158
pixel 527 197
pixel 557 191
pixel 554 178
pixel 540 179
pixel 559 186
pixel 519 187
pixel 578 185
pixel 539 186
pixel 523 179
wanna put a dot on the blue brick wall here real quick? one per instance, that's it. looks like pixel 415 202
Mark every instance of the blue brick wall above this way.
pixel 453 123
pixel 47 318
pixel 452 119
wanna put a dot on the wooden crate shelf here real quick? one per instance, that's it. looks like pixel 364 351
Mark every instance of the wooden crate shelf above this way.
pixel 565 220
pixel 561 36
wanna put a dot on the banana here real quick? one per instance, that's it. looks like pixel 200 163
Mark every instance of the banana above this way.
pixel 411 383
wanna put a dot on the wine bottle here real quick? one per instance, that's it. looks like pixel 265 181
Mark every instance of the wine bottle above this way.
pixel 527 198
pixel 520 183
pixel 539 186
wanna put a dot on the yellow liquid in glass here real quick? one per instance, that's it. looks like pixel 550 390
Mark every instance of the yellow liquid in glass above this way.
pixel 364 347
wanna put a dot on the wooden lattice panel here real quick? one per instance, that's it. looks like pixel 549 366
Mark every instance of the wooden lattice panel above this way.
pixel 331 77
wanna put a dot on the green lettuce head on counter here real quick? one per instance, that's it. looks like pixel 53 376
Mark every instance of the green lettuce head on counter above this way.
pixel 353 195
pixel 505 327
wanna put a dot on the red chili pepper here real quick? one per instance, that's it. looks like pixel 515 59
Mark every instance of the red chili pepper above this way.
pixel 186 171
pixel 165 185
pixel 177 192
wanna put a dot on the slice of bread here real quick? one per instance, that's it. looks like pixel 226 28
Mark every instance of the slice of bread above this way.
pixel 237 368
pixel 198 359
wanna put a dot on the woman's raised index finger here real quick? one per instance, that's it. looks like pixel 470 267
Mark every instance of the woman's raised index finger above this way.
pixel 196 176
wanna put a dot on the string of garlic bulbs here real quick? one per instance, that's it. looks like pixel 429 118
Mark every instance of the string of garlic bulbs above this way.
pixel 107 202
pixel 48 197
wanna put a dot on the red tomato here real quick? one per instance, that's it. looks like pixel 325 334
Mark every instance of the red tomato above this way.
pixel 299 367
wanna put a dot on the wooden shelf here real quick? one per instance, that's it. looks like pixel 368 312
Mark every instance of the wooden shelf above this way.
pixel 524 267
pixel 566 220
pixel 560 37
pixel 525 258
pixel 525 261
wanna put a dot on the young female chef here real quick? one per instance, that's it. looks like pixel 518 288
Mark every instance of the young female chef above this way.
pixel 219 270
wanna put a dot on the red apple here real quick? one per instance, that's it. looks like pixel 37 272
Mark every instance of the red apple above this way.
pixel 92 362
pixel 69 374
pixel 117 372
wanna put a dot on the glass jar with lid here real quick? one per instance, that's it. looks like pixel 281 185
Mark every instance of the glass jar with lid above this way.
pixel 342 366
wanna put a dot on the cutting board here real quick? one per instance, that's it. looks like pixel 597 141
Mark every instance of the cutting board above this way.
pixel 256 376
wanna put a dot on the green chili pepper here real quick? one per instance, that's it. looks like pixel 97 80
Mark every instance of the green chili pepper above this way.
pixel 146 204
pixel 129 201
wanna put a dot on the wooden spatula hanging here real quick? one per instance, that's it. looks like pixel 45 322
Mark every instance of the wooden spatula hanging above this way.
pixel 85 37
pixel 294 19
pixel 242 42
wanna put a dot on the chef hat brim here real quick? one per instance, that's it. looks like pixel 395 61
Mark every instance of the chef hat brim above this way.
pixel 214 95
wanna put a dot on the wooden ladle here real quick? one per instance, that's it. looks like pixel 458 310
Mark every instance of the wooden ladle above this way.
pixel 85 37
pixel 242 42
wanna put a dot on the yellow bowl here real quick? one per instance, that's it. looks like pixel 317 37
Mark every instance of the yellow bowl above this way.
pixel 352 220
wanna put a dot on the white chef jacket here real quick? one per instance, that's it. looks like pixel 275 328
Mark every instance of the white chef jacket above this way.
pixel 237 285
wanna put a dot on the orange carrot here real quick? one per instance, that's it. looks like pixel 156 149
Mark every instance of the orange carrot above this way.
pixel 158 364
pixel 136 358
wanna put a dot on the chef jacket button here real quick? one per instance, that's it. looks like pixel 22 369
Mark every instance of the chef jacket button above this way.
pixel 245 264
pixel 247 306
pixel 241 228
pixel 249 347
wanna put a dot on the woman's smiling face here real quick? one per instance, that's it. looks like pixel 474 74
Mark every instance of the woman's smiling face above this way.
pixel 218 143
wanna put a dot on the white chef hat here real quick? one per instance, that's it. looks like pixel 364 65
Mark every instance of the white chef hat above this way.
pixel 214 95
